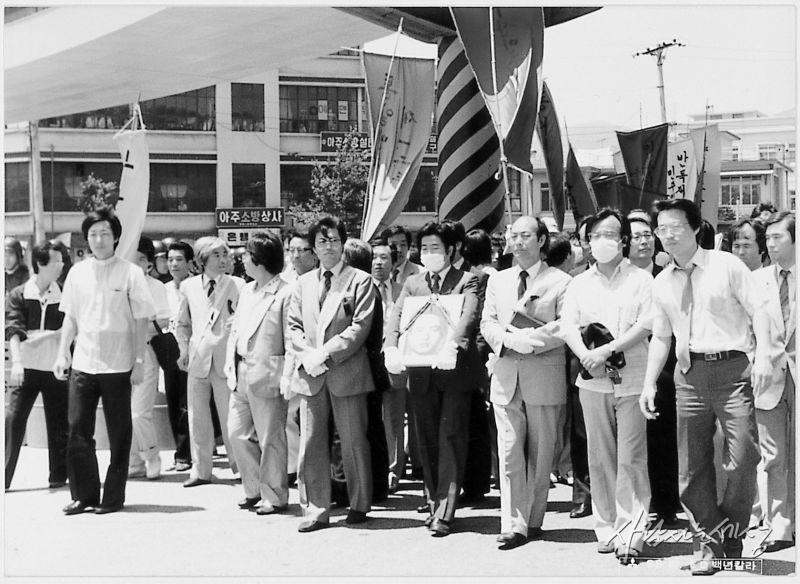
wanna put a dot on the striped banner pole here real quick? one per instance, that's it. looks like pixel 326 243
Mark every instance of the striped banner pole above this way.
pixel 469 187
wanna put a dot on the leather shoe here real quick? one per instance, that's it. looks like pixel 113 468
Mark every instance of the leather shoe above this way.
pixel 355 517
pixel 108 509
pixel 312 525
pixel 424 508
pixel 76 507
pixel 249 502
pixel 535 533
pixel 267 509
pixel 56 484
pixel 196 483
pixel 439 528
pixel 777 545
pixel 513 541
pixel 703 568
pixel 580 510
pixel 182 466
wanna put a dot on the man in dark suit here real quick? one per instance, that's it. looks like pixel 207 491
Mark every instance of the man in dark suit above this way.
pixel 662 437
pixel 440 396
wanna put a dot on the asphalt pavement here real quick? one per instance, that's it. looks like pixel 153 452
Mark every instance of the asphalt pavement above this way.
pixel 166 530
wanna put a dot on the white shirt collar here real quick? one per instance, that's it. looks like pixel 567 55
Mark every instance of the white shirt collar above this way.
pixel 31 291
pixel 457 265
pixel 533 271
pixel 335 270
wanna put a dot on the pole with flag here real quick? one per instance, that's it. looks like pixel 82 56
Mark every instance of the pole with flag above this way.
pixel 516 63
pixel 401 127
pixel 550 139
pixel 134 186
pixel 584 202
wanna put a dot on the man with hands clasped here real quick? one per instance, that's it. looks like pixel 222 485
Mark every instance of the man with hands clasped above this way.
pixel 440 396
pixel 616 294
pixel 710 301
pixel 528 384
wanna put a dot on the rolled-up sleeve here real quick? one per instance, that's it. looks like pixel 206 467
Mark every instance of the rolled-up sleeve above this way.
pixel 745 288
pixel 661 325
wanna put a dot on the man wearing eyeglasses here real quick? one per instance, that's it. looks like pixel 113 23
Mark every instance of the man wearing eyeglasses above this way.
pixel 709 300
pixel 301 260
pixel 662 445
pixel 330 317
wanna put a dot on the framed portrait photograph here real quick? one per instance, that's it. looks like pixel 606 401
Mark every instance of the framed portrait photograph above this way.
pixel 426 326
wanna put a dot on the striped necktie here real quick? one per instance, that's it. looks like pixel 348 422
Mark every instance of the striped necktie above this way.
pixel 326 287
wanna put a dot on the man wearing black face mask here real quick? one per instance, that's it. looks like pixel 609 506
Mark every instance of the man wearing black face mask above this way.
pixel 440 396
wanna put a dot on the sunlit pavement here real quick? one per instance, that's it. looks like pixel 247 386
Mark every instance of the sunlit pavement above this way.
pixel 167 530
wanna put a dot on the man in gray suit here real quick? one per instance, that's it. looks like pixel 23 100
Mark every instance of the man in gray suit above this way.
pixel 528 385
pixel 329 320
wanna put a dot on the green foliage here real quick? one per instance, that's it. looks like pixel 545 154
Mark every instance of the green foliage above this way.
pixel 95 193
pixel 338 187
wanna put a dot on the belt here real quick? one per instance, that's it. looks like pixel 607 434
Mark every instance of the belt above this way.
pixel 721 356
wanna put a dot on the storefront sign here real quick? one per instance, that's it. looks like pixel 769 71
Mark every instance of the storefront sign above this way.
pixel 250 217
pixel 332 141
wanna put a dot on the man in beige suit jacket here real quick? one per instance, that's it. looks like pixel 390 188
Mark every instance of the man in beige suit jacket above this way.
pixel 775 403
pixel 528 381
pixel 208 302
pixel 329 320
pixel 254 368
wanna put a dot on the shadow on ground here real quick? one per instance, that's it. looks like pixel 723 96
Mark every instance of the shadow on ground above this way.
pixel 161 509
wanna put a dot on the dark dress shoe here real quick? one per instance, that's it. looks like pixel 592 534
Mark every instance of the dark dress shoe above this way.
pixel 580 510
pixel 196 483
pixel 535 533
pixel 56 484
pixel 424 508
pixel 777 545
pixel 506 536
pixel 355 517
pixel 312 525
pixel 514 541
pixel 268 509
pixel 76 507
pixel 439 528
pixel 703 568
pixel 105 510
pixel 732 548
pixel 249 502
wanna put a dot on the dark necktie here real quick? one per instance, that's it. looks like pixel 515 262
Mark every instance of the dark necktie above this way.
pixel 783 294
pixel 395 274
pixel 435 283
pixel 211 285
pixel 326 287
pixel 523 284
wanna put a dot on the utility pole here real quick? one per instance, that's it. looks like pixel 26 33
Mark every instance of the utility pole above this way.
pixel 658 53
pixel 36 197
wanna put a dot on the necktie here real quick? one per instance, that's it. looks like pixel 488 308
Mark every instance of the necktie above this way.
pixel 523 284
pixel 682 341
pixel 326 287
pixel 783 294
pixel 395 274
pixel 435 283
pixel 384 289
pixel 211 285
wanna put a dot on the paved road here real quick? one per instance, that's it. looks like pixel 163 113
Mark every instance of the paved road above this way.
pixel 166 530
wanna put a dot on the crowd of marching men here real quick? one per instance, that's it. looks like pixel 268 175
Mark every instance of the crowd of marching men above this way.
pixel 631 359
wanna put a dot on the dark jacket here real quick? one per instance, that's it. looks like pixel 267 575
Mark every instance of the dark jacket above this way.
pixel 24 313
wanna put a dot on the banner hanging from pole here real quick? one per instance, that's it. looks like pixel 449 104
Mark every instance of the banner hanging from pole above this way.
pixel 401 102
pixel 550 138
pixel 681 169
pixel 707 147
pixel 645 155
pixel 517 41
pixel 134 185
pixel 584 202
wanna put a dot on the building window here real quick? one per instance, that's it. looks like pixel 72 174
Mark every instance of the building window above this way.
pixel 104 119
pixel 740 190
pixel 792 197
pixel 735 152
pixel 295 184
pixel 173 187
pixel 423 193
pixel 17 187
pixel 545 190
pixel 514 180
pixel 193 110
pixel 791 153
pixel 307 109
pixel 247 107
pixel 771 151
pixel 249 185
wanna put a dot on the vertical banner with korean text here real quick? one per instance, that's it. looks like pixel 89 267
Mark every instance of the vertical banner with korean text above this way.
pixel 134 189
pixel 681 170
pixel 518 38
pixel 401 103
pixel 707 147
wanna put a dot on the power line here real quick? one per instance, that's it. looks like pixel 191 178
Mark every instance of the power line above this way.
pixel 658 53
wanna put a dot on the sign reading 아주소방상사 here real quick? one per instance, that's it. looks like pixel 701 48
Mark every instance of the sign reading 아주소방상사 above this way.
pixel 250 217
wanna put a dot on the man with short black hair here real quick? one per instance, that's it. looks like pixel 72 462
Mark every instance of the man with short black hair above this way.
pixel 399 239
pixel 710 301
pixel 748 242
pixel 106 305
